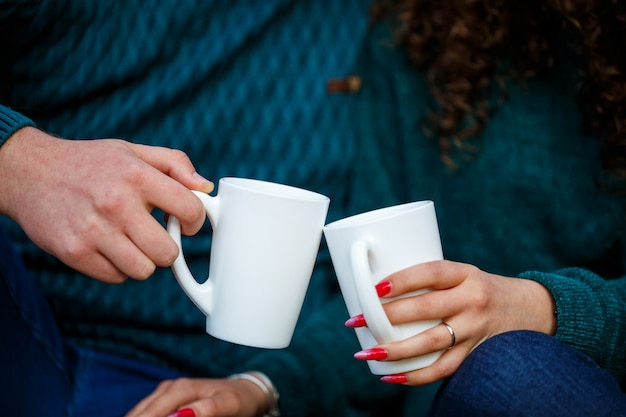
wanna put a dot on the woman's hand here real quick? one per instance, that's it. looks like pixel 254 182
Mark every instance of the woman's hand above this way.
pixel 89 202
pixel 206 397
pixel 474 303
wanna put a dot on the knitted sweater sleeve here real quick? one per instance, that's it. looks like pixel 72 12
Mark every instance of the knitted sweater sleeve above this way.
pixel 591 314
pixel 10 122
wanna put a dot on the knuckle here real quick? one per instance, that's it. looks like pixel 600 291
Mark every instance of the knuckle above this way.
pixel 111 202
pixel 438 267
pixel 443 371
pixel 432 342
pixel 481 299
pixel 183 383
pixel 192 218
pixel 180 156
pixel 196 211
pixel 166 384
pixel 136 174
pixel 169 255
pixel 427 302
pixel 75 250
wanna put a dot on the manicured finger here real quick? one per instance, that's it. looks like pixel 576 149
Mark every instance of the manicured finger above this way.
pixel 436 339
pixel 222 403
pixel 435 275
pixel 443 367
pixel 166 399
pixel 431 305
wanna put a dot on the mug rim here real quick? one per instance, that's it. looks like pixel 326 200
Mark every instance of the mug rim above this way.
pixel 273 188
pixel 376 215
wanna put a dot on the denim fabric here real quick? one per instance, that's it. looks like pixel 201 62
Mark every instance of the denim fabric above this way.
pixel 36 376
pixel 44 376
pixel 109 385
pixel 525 373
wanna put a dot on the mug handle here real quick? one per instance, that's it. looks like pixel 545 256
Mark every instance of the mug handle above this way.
pixel 200 294
pixel 377 321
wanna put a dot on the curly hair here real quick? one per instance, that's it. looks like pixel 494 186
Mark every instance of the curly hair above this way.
pixel 466 48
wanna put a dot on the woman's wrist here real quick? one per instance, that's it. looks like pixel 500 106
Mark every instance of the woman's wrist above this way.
pixel 265 384
pixel 540 302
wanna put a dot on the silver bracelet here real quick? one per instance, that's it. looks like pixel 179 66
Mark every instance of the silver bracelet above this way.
pixel 262 381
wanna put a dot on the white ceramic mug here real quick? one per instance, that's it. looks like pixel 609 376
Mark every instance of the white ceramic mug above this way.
pixel 368 247
pixel 266 238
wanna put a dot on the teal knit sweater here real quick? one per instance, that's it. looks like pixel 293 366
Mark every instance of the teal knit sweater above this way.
pixel 240 86
pixel 527 205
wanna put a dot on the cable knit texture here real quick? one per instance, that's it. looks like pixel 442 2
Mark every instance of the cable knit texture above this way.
pixel 240 86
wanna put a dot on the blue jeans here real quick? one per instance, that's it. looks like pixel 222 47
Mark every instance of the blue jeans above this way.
pixel 45 376
pixel 525 373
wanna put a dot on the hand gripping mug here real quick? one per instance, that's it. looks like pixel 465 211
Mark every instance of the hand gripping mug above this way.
pixel 265 241
pixel 366 248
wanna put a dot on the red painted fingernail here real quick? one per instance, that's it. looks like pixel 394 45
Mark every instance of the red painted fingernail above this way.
pixel 395 379
pixel 383 288
pixel 373 354
pixel 183 412
pixel 356 321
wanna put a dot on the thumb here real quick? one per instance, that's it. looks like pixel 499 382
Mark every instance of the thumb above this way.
pixel 174 163
pixel 201 183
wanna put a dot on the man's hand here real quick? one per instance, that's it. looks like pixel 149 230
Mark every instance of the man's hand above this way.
pixel 89 202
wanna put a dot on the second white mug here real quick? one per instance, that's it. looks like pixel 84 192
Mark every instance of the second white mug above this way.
pixel 366 248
